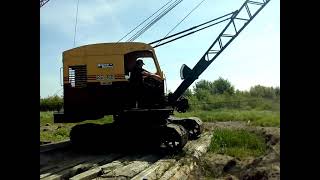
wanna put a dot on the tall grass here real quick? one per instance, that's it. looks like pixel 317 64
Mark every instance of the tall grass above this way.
pixel 237 143
pixel 51 103
pixel 60 131
pixel 256 117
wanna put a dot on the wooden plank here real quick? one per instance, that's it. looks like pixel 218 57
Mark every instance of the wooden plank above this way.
pixel 93 173
pixel 197 148
pixel 133 168
pixel 184 171
pixel 47 161
pixel 52 146
pixel 49 170
pixel 170 172
pixel 69 172
pixel 106 168
pixel 155 170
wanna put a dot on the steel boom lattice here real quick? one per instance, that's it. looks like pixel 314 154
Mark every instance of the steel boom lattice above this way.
pixel 218 46
pixel 43 2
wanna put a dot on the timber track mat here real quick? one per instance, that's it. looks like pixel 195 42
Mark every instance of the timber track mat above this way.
pixel 64 163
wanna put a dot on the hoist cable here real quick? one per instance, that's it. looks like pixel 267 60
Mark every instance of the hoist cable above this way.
pixel 144 21
pixel 154 20
pixel 192 28
pixel 75 27
pixel 182 19
pixel 191 33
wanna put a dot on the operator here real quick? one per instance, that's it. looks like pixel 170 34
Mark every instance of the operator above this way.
pixel 139 73
pixel 140 82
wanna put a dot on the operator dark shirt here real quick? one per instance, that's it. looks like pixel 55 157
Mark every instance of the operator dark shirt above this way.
pixel 136 77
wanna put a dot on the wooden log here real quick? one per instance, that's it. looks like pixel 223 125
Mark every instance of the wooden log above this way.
pixel 155 170
pixel 67 173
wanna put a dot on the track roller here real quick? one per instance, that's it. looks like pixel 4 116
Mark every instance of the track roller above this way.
pixel 193 125
pixel 173 138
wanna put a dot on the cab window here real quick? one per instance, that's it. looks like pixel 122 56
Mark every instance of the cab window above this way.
pixel 148 64
pixel 147 57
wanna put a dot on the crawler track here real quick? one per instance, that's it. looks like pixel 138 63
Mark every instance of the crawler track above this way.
pixel 59 161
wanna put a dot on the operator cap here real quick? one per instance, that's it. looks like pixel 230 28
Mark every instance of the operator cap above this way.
pixel 139 61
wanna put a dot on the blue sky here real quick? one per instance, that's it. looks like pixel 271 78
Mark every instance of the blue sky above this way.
pixel 252 58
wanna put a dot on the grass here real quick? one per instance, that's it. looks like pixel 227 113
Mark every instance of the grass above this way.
pixel 237 143
pixel 256 117
pixel 60 131
pixel 55 135
pixel 46 117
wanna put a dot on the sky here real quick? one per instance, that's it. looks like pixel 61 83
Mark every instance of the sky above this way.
pixel 253 58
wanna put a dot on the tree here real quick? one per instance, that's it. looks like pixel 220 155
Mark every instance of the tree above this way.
pixel 188 93
pixel 202 89
pixel 277 91
pixel 203 85
pixel 221 86
pixel 262 91
pixel 203 94
pixel 51 103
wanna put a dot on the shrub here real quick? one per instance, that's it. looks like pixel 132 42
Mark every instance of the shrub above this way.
pixel 51 103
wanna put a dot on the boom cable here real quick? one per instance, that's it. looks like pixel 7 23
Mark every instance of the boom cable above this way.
pixel 192 28
pixel 75 27
pixel 182 20
pixel 56 93
pixel 154 20
pixel 145 20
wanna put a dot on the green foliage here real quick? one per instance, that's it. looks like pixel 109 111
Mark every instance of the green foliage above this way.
pixel 55 135
pixel 277 91
pixel 237 143
pixel 264 92
pixel 255 117
pixel 60 131
pixel 46 117
pixel 219 86
pixel 51 103
pixel 222 86
pixel 203 85
pixel 187 93
pixel 220 94
pixel 202 94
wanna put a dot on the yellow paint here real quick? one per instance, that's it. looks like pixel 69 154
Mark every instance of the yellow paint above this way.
pixel 103 53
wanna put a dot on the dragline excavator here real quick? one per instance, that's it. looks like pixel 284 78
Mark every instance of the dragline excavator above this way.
pixel 96 82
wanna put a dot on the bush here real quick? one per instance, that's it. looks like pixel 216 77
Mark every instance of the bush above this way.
pixel 220 94
pixel 222 86
pixel 265 92
pixel 219 86
pixel 51 103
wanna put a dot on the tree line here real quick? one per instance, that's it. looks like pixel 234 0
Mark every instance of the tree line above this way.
pixel 51 103
pixel 208 95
